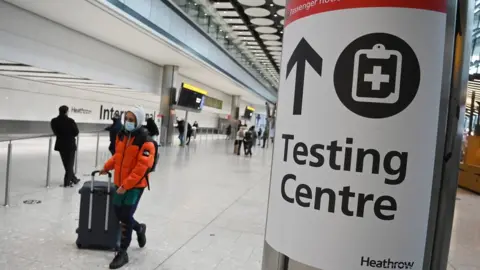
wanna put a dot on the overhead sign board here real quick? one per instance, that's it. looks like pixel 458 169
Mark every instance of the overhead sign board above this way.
pixel 356 131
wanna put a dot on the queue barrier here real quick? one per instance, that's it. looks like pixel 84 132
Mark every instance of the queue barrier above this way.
pixel 205 133
pixel 49 158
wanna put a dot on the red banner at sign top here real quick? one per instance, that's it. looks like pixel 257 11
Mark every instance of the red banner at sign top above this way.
pixel 297 9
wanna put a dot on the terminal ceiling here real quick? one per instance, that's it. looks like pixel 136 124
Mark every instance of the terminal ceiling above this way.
pixel 92 18
pixel 257 24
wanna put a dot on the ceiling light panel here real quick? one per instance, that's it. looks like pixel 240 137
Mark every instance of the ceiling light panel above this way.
pixel 234 21
pixel 239 27
pixel 20 68
pixel 222 5
pixel 242 33
pixel 232 13
pixel 257 12
pixel 63 79
pixel 262 21
pixel 33 75
pixel 252 3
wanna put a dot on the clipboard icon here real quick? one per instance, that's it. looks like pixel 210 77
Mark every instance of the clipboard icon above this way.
pixel 377 75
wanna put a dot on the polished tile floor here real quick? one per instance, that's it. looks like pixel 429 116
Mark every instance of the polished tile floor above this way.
pixel 206 210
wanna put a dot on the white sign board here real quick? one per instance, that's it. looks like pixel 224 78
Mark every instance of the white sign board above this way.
pixel 356 132
pixel 31 106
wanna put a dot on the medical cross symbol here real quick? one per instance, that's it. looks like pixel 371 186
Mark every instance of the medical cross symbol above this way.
pixel 376 77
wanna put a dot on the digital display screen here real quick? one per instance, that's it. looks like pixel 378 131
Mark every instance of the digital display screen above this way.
pixel 191 97
pixel 248 112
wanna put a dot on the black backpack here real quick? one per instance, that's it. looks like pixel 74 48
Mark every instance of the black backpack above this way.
pixel 248 136
pixel 155 159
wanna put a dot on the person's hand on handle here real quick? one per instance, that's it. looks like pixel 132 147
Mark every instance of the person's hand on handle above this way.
pixel 121 190
pixel 103 172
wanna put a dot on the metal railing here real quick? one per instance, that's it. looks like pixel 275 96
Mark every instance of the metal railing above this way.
pixel 203 134
pixel 211 133
pixel 10 142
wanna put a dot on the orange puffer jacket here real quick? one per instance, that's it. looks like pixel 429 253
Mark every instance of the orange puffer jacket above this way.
pixel 133 157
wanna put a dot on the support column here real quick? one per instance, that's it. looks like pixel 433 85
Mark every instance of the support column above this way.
pixel 379 107
pixel 235 114
pixel 234 109
pixel 168 92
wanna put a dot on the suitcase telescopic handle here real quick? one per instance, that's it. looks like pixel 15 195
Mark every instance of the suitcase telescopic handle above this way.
pixel 98 172
pixel 107 210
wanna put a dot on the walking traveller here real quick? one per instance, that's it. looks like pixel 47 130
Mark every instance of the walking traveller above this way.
pixel 181 131
pixel 133 159
pixel 248 141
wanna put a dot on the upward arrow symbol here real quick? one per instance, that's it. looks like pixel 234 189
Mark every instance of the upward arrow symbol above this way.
pixel 302 54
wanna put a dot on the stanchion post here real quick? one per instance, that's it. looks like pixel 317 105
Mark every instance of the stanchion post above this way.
pixel 7 175
pixel 96 151
pixel 76 154
pixel 49 161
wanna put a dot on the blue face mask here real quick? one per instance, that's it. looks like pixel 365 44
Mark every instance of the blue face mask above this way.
pixel 129 126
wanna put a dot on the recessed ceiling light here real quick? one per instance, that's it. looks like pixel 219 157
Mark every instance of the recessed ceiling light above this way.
pixel 271 5
pixel 275 15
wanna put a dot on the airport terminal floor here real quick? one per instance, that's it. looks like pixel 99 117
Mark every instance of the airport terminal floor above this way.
pixel 206 210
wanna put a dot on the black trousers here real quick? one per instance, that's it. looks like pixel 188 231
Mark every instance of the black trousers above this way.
pixel 68 159
pixel 128 223
pixel 247 147
pixel 239 143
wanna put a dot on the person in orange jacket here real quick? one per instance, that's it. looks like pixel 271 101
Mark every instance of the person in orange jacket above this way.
pixel 134 156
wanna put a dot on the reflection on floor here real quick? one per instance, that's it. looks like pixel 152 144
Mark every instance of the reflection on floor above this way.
pixel 206 210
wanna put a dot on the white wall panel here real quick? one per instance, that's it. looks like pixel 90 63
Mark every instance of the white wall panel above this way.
pixel 33 40
pixel 34 101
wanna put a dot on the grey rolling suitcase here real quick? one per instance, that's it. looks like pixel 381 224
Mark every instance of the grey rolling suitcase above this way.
pixel 98 226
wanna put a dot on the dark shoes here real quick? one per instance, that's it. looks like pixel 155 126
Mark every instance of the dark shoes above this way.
pixel 75 180
pixel 141 235
pixel 121 258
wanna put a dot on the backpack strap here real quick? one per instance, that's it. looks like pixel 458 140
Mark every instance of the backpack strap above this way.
pixel 142 140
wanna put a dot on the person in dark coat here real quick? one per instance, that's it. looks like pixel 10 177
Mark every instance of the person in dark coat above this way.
pixel 114 129
pixel 195 130
pixel 66 130
pixel 228 132
pixel 181 131
pixel 152 128
pixel 259 135
pixel 248 141
pixel 189 133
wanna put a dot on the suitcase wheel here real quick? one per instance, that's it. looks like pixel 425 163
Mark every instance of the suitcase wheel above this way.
pixel 79 245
